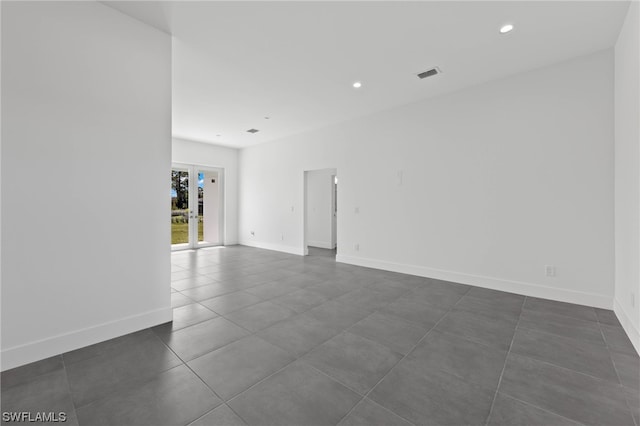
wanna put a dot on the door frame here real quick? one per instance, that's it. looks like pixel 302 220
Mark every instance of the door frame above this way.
pixel 193 170
pixel 334 211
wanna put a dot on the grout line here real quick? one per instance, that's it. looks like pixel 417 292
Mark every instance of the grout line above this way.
pixel 506 359
pixel 66 377
pixel 191 369
pixel 615 368
pixel 404 357
pixel 540 408
pixel 260 381
pixel 213 409
pixel 137 382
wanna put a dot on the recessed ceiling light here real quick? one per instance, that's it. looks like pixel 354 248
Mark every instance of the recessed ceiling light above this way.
pixel 357 85
pixel 253 130
pixel 218 136
pixel 506 28
pixel 266 118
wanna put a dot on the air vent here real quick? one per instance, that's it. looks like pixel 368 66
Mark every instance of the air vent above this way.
pixel 429 73
pixel 253 131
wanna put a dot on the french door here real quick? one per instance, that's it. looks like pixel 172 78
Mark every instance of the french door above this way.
pixel 197 206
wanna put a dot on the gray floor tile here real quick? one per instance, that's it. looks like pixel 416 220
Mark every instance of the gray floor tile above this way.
pixel 175 397
pixel 560 308
pixel 192 282
pixel 299 334
pixel 633 401
pixel 394 333
pixel 561 325
pixel 565 354
pixel 19 375
pixel 461 289
pixel 227 275
pixel 117 366
pixel 98 348
pixel 196 340
pixel 432 397
pixel 437 295
pixel 336 314
pixel 296 395
pixel 259 316
pixel 565 392
pixel 277 274
pixel 209 291
pixel 511 412
pixel 330 289
pixel 503 297
pixel 231 302
pixel 398 288
pixel 500 308
pixel 628 368
pixel 239 365
pixel 301 300
pixel 606 316
pixel 368 413
pixel 354 361
pixel 43 393
pixel 415 311
pixel 187 315
pixel 179 299
pixel 617 340
pixel 220 416
pixel 175 267
pixel 273 289
pixel 182 274
pixel 578 355
pixel 479 328
pixel 473 362
pixel 301 280
pixel 367 299
pixel 244 282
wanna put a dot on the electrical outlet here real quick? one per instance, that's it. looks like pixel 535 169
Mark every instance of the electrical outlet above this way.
pixel 550 270
pixel 356 210
pixel 253 233
pixel 356 247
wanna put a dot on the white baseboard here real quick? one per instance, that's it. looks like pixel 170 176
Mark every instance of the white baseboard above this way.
pixel 320 244
pixel 526 289
pixel 276 247
pixel 56 345
pixel 629 327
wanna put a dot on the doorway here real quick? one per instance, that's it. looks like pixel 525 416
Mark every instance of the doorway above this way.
pixel 197 206
pixel 320 212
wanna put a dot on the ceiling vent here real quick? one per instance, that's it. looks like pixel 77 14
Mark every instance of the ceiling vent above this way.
pixel 429 73
pixel 253 131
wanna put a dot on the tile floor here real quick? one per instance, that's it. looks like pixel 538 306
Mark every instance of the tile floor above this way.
pixel 265 338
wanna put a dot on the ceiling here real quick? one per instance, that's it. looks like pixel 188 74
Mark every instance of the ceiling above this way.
pixel 235 63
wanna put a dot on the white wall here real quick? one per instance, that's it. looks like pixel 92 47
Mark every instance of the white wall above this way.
pixel 86 140
pixel 204 154
pixel 320 208
pixel 497 181
pixel 627 175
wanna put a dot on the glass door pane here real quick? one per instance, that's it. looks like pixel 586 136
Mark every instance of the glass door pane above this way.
pixel 180 207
